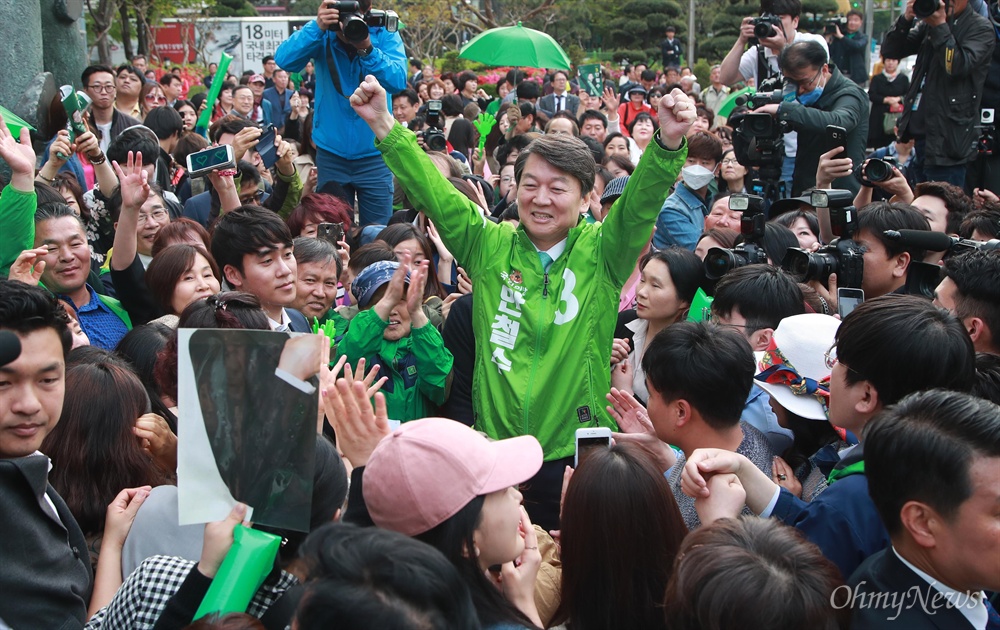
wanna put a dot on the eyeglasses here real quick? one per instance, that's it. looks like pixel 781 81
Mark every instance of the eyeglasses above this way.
pixel 254 198
pixel 156 98
pixel 102 87
pixel 158 215
pixel 740 328
pixel 730 161
pixel 806 85
pixel 830 358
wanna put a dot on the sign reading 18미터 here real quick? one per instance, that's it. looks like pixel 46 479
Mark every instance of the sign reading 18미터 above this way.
pixel 259 40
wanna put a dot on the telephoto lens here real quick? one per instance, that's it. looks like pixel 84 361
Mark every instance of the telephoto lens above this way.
pixel 923 9
pixel 878 170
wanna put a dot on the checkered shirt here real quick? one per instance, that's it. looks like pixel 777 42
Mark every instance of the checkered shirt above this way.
pixel 142 598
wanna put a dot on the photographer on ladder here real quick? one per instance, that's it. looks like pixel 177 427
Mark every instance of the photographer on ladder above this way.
pixel 346 42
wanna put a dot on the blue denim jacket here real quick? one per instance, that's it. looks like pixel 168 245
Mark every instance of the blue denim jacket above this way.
pixel 681 220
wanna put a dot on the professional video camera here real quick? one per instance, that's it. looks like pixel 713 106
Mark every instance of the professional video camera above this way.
pixel 355 25
pixel 831 25
pixel 758 141
pixel 433 135
pixel 757 138
pixel 843 256
pixel 720 261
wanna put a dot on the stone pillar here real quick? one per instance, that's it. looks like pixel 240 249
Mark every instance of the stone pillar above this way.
pixel 64 47
pixel 21 52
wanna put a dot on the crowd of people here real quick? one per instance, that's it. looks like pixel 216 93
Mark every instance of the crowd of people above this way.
pixel 803 391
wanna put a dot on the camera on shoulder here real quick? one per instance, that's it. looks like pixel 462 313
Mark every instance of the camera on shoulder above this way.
pixel 831 25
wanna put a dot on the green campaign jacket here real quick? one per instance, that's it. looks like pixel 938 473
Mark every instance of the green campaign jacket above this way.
pixel 543 340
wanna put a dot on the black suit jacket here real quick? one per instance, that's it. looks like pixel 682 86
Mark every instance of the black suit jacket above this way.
pixel 888 594
pixel 45 574
pixel 299 322
pixel 547 105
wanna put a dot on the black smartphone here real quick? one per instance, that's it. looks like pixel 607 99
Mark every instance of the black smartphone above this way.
pixel 331 232
pixel 265 146
pixel 204 162
pixel 836 137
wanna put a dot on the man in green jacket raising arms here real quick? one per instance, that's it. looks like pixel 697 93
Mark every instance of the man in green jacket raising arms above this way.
pixel 546 292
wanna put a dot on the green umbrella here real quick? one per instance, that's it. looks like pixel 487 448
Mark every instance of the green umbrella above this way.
pixel 516 46
pixel 726 106
pixel 14 122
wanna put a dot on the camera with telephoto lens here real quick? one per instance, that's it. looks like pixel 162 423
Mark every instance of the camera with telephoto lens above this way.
pixel 766 25
pixel 433 135
pixel 719 261
pixel 875 170
pixel 923 9
pixel 843 256
pixel 355 25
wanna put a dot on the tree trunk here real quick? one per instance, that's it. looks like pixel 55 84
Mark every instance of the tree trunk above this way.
pixel 141 33
pixel 104 49
pixel 126 31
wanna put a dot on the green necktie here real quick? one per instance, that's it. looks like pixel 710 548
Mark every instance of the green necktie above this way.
pixel 546 261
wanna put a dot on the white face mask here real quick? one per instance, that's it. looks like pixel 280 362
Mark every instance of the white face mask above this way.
pixel 697 176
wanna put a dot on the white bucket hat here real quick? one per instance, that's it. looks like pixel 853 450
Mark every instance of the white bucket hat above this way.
pixel 793 369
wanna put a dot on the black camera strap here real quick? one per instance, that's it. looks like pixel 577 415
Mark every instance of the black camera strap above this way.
pixel 331 64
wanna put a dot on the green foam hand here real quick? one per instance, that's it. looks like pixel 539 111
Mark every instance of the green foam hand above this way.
pixel 328 328
pixel 484 125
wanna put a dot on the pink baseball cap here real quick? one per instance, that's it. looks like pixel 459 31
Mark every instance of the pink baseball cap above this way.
pixel 257 78
pixel 427 470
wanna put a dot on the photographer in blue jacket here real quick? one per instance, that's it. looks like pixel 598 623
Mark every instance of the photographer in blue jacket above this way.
pixel 346 42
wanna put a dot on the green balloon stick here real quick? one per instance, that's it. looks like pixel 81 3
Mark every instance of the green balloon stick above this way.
pixel 205 118
pixel 244 569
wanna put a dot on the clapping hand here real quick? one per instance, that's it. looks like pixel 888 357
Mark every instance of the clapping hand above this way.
pixel 630 416
pixel 29 266
pixel 359 429
pixel 18 155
